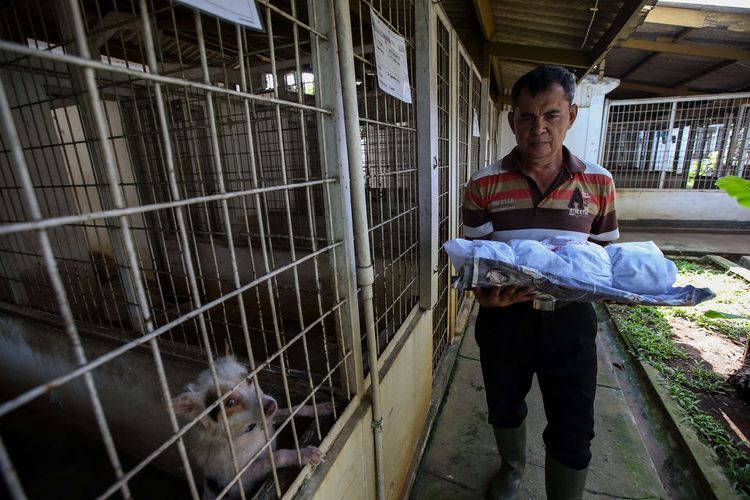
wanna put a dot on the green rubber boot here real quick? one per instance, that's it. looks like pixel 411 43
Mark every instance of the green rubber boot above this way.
pixel 561 482
pixel 511 443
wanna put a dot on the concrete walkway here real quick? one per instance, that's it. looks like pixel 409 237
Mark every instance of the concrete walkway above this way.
pixel 684 242
pixel 461 455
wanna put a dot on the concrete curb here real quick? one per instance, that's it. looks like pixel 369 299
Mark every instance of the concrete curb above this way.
pixel 729 266
pixel 704 459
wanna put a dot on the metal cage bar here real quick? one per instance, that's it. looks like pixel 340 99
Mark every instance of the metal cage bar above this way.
pixel 441 313
pixel 466 134
pixel 179 172
pixel 388 130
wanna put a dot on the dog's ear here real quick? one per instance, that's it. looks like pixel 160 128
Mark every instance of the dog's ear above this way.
pixel 187 404
pixel 228 359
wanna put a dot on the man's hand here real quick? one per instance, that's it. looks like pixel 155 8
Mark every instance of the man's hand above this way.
pixel 503 297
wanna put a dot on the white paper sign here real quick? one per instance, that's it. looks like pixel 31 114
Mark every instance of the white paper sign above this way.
pixel 242 12
pixel 475 124
pixel 390 59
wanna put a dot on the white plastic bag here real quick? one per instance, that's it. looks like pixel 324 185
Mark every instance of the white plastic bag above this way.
pixel 459 250
pixel 494 250
pixel 585 260
pixel 539 256
pixel 640 267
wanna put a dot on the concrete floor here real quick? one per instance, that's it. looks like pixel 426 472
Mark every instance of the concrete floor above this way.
pixel 692 243
pixel 461 456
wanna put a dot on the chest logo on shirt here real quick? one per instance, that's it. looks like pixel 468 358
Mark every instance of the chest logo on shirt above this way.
pixel 502 204
pixel 578 203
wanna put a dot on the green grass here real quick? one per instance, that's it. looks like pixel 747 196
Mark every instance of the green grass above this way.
pixel 732 329
pixel 707 380
pixel 649 334
pixel 732 296
pixel 687 266
pixel 649 330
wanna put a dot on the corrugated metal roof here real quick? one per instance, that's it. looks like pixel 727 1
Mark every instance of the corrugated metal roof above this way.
pixel 714 41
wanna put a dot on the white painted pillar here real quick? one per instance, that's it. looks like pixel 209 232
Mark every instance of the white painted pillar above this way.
pixel 584 137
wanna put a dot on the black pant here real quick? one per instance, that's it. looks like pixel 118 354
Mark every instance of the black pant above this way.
pixel 559 346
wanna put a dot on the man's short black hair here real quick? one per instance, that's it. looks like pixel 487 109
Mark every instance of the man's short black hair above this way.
pixel 542 78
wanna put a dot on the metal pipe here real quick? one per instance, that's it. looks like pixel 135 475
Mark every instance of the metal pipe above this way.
pixel 137 75
pixel 365 274
pixel 670 128
pixel 743 157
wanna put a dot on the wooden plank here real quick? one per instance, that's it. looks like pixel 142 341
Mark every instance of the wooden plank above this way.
pixel 693 49
pixel 540 55
pixel 692 18
pixel 486 19
pixel 656 89
pixel 729 266
pixel 652 55
pixel 700 74
pixel 622 27
pixel 498 75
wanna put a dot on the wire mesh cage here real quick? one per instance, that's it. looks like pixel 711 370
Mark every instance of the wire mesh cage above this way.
pixel 476 93
pixel 440 333
pixel 166 200
pixel 388 131
pixel 469 92
pixel 467 138
pixel 677 143
pixel 464 131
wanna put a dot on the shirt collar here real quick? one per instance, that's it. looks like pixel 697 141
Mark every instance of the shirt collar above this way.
pixel 512 161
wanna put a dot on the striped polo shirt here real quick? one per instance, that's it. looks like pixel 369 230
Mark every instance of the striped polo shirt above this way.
pixel 502 203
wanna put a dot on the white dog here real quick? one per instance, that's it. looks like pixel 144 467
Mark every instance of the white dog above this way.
pixel 208 440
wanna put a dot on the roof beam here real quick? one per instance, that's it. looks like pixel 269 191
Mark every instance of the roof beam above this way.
pixel 700 74
pixel 682 34
pixel 693 49
pixel 539 55
pixel 502 100
pixel 109 25
pixel 486 19
pixel 485 70
pixel 622 27
pixel 643 62
pixel 498 75
pixel 655 89
pixel 692 18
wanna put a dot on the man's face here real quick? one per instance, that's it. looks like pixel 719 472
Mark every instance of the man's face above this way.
pixel 541 122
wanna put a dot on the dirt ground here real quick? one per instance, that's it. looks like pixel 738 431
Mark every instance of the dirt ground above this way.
pixel 708 351
pixel 724 357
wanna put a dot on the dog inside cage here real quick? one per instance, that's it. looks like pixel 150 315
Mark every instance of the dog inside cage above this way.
pixel 251 416
pixel 187 216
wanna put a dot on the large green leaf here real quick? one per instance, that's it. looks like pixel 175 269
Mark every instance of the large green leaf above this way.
pixel 716 314
pixel 739 188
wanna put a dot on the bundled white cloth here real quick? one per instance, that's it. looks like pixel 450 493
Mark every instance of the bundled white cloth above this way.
pixel 567 258
pixel 459 250
pixel 640 267
pixel 634 267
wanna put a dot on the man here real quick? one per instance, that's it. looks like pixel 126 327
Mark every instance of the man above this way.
pixel 540 190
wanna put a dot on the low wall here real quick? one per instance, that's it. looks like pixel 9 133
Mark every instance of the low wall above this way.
pixel 406 388
pixel 35 350
pixel 700 209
